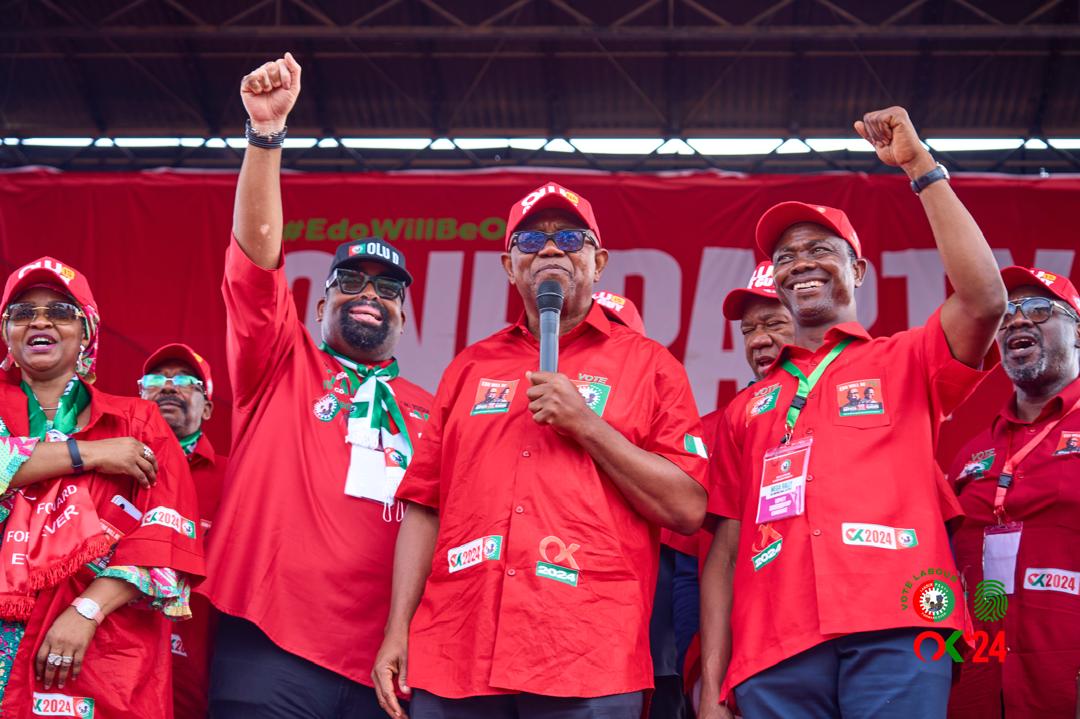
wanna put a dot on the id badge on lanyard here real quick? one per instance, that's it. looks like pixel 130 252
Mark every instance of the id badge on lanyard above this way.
pixel 784 468
pixel 1001 545
pixel 783 481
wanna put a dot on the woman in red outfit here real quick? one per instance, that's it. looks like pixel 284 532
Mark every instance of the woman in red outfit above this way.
pixel 99 518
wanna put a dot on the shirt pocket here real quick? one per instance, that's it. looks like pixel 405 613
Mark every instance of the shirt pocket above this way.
pixel 861 397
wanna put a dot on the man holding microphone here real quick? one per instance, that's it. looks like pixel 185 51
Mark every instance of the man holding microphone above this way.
pixel 526 564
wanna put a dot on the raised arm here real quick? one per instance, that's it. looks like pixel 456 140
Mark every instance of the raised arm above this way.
pixel 972 315
pixel 269 93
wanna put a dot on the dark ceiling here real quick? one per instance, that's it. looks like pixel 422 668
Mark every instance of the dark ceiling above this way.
pixel 543 68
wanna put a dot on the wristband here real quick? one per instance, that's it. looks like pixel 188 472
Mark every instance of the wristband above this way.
pixel 273 141
pixel 76 458
pixel 921 183
pixel 89 609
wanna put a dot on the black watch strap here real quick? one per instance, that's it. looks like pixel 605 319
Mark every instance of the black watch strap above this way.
pixel 273 141
pixel 76 458
pixel 921 183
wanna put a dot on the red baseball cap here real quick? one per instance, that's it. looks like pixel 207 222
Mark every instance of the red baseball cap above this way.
pixel 761 285
pixel 1016 276
pixel 620 309
pixel 551 194
pixel 51 272
pixel 185 354
pixel 780 217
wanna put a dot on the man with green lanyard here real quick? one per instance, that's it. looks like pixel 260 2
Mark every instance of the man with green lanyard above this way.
pixel 842 556
pixel 303 541
pixel 178 380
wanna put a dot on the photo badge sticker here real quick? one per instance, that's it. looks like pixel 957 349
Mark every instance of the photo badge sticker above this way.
pixel 1069 443
pixel 860 397
pixel 594 392
pixel 763 400
pixel 493 396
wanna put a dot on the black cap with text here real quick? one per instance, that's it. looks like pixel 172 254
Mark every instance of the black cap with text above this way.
pixel 372 249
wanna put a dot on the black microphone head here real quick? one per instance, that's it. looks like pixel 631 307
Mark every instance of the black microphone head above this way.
pixel 549 296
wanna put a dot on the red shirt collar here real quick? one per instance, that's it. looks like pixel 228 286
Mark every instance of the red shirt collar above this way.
pixel 595 319
pixel 203 450
pixel 1051 411
pixel 833 336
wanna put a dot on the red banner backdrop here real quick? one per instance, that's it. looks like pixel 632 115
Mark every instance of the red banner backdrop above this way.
pixel 152 245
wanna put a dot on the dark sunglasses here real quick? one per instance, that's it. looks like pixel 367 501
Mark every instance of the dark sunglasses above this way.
pixel 60 313
pixel 180 381
pixel 1036 309
pixel 351 282
pixel 532 241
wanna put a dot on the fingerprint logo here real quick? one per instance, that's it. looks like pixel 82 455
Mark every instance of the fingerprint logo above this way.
pixel 990 600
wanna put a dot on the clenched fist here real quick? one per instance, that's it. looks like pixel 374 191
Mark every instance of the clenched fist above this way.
pixel 893 136
pixel 555 401
pixel 270 92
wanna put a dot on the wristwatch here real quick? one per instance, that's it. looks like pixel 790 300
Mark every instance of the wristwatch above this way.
pixel 88 609
pixel 921 183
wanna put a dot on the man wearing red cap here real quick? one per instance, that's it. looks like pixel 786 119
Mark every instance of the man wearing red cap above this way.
pixel 177 379
pixel 302 545
pixel 843 557
pixel 527 562
pixel 1019 484
pixel 766 328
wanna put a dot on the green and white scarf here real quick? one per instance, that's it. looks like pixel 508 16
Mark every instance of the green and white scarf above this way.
pixel 381 448
pixel 73 401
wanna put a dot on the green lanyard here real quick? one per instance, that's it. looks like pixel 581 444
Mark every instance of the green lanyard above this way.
pixel 807 383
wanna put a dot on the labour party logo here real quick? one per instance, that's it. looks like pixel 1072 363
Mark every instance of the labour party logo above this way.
pixel 595 395
pixel 763 400
pixel 931 594
pixel 979 464
pixel 326 407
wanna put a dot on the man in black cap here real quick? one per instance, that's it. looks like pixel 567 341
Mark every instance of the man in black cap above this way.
pixel 303 541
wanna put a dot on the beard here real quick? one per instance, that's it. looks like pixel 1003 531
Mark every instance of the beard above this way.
pixel 359 335
pixel 1030 374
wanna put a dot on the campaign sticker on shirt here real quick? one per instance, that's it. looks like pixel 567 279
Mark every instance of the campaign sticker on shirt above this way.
pixel 1068 444
pixel 326 407
pixel 61 705
pixel 979 464
pixel 169 517
pixel 178 645
pixel 470 554
pixel 1052 580
pixel 878 535
pixel 595 394
pixel 493 396
pixel 767 546
pixel 763 401
pixel 860 397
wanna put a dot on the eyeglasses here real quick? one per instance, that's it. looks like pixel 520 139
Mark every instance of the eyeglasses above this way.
pixel 180 381
pixel 351 282
pixel 59 313
pixel 1036 309
pixel 532 241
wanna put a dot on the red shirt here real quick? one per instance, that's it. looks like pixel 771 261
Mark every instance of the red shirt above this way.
pixel 543 575
pixel 290 551
pixel 126 671
pixel 1042 622
pixel 191 640
pixel 843 564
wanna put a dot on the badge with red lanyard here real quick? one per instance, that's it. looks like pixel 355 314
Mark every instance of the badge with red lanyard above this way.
pixel 1001 542
pixel 785 467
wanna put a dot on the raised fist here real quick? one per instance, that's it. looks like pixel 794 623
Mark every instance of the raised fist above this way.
pixel 270 92
pixel 893 136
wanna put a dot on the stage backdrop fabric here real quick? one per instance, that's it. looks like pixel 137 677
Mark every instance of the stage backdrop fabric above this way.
pixel 153 243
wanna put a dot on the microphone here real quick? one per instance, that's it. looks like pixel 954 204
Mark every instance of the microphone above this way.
pixel 549 300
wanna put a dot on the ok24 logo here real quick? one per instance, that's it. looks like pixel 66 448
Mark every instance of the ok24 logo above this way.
pixel 980 640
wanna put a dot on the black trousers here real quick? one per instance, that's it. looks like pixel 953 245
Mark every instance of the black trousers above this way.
pixel 253 678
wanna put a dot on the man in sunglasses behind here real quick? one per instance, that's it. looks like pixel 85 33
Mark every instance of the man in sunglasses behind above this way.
pixel 1026 535
pixel 542 511
pixel 323 429
pixel 177 379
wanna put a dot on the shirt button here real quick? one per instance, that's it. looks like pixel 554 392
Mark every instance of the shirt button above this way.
pixel 817 532
pixel 1031 430
pixel 511 572
pixel 809 478
pixel 525 453
pixel 519 509
pixel 810 431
